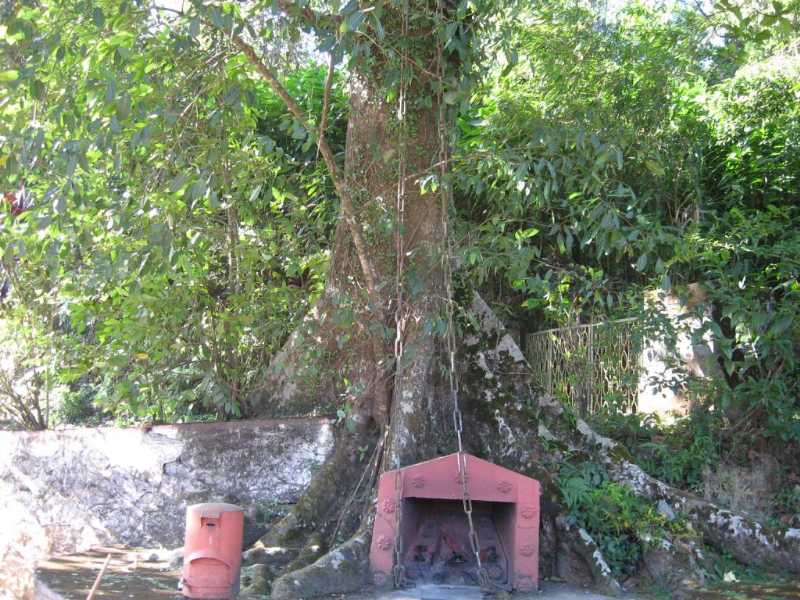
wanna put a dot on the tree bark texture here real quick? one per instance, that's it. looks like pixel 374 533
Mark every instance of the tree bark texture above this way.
pixel 373 350
pixel 510 422
pixel 344 354
pixel 370 357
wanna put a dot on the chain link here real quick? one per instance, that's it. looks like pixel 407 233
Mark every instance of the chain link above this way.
pixel 458 417
pixel 399 569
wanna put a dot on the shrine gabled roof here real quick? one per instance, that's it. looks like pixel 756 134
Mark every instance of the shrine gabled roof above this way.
pixel 440 478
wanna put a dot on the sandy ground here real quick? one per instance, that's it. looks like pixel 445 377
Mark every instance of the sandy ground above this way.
pixel 140 575
pixel 131 576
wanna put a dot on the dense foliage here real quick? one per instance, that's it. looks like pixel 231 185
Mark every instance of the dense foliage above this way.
pixel 583 179
pixel 625 155
pixel 180 220
pixel 745 248
pixel 620 523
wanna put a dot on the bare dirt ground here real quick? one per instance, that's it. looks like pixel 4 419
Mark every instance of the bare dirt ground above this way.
pixel 131 574
pixel 145 575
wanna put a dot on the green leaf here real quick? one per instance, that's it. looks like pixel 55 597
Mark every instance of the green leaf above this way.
pixel 377 25
pixel 655 168
pixel 524 234
pixel 781 325
pixel 451 97
pixel 98 17
pixel 354 20
pixel 255 193
pixel 9 75
pixel 177 182
pixel 124 106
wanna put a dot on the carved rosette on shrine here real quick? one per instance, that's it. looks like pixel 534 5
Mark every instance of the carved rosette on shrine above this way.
pixel 434 533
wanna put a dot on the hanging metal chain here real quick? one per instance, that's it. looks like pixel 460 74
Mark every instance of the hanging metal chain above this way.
pixel 400 201
pixel 447 269
pixel 458 423
pixel 399 570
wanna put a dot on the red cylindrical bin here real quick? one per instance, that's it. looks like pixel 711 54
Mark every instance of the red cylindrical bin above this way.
pixel 212 552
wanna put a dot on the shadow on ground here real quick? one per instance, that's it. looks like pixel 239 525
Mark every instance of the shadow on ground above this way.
pixel 148 575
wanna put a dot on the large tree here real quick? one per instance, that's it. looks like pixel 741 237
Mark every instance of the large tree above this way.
pixel 396 363
pixel 392 343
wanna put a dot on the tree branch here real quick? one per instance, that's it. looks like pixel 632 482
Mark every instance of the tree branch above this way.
pixel 342 191
pixel 326 98
pixel 308 16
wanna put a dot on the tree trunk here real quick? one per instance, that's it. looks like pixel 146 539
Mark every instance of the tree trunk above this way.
pixel 373 358
pixel 377 360
pixel 373 363
pixel 346 338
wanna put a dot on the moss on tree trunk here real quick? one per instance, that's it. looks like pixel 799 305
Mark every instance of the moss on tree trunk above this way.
pixel 378 359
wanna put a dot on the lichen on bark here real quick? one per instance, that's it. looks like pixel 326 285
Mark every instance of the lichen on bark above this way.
pixel 509 422
pixel 384 366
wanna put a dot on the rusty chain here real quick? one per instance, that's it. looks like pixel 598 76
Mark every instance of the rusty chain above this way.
pixel 448 257
pixel 458 423
pixel 398 569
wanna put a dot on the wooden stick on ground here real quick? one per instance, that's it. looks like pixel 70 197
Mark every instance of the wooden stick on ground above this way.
pixel 99 577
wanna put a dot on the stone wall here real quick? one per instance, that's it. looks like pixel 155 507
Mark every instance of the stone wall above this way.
pixel 64 491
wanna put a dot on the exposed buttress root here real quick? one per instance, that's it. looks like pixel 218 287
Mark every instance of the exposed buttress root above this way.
pixel 510 423
pixel 341 570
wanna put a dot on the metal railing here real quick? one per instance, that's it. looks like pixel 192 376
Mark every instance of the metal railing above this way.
pixel 594 367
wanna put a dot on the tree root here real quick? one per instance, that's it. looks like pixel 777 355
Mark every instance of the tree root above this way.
pixel 508 422
pixel 678 564
pixel 535 432
pixel 577 541
pixel 303 534
pixel 340 571
pixel 747 540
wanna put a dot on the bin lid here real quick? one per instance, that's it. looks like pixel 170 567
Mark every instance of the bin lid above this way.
pixel 214 509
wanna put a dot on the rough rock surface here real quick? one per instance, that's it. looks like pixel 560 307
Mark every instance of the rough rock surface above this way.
pixel 344 570
pixel 64 491
pixel 255 580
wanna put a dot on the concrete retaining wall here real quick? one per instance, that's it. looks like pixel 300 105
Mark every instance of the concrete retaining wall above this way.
pixel 64 491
